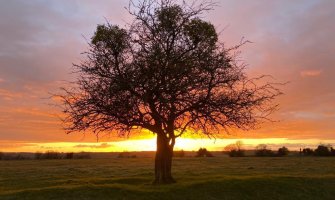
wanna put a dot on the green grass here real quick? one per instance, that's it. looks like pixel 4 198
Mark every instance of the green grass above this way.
pixel 198 178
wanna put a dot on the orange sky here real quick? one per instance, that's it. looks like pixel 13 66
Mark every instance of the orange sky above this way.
pixel 292 41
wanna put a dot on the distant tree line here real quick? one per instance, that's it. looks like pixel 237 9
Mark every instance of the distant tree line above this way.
pixel 203 152
pixel 263 151
pixel 126 155
pixel 179 153
pixel 233 150
pixel 321 150
pixel 48 155
pixel 236 150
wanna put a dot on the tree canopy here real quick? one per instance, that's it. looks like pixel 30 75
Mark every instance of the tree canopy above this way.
pixel 166 72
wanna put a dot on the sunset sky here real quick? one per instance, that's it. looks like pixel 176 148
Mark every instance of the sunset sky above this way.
pixel 291 40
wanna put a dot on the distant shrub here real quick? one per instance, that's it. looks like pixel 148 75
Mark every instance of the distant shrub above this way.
pixel 332 151
pixel 180 153
pixel 52 155
pixel 19 156
pixel 47 155
pixel 38 155
pixel 283 151
pixel 56 155
pixel 69 155
pixel 123 155
pixel 323 150
pixel 126 155
pixel 203 152
pixel 82 155
pixel 263 151
pixel 13 156
pixel 235 150
pixel 307 152
pixel 236 153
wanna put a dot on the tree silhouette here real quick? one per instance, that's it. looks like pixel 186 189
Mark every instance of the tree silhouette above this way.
pixel 323 150
pixel 262 151
pixel 165 72
pixel 203 152
pixel 235 150
pixel 283 151
pixel 307 152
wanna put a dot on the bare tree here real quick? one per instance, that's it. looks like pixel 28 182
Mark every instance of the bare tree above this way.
pixel 236 149
pixel 235 146
pixel 165 72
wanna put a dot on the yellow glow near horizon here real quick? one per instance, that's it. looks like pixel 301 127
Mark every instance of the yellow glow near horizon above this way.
pixel 187 144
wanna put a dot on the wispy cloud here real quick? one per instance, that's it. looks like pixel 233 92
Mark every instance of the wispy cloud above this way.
pixel 306 73
pixel 9 95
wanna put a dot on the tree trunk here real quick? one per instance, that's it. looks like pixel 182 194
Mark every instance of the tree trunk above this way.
pixel 163 161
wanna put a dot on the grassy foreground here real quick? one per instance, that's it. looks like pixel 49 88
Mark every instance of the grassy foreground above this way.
pixel 198 178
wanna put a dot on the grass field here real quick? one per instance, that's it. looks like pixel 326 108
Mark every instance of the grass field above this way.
pixel 198 178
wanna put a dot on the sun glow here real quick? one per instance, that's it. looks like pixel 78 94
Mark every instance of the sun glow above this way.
pixel 187 144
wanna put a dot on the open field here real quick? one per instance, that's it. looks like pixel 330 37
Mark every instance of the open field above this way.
pixel 198 178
